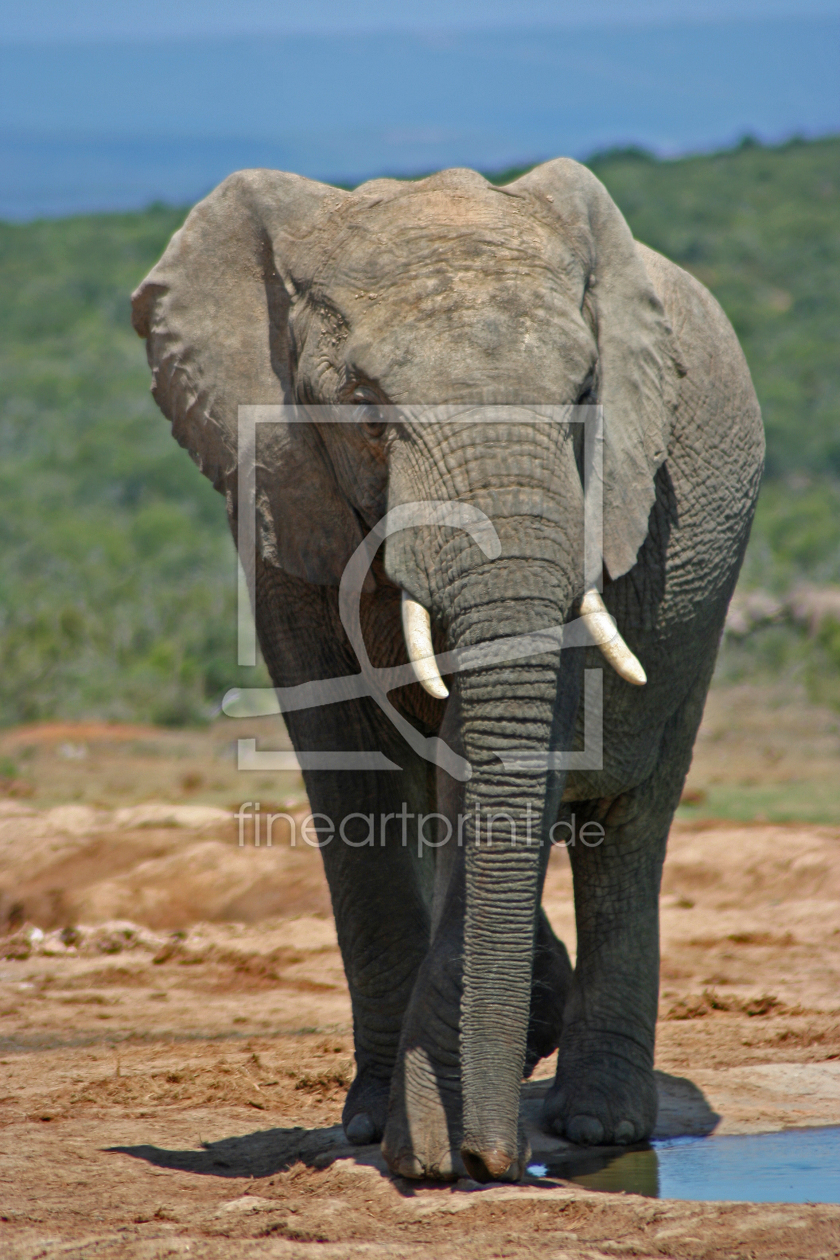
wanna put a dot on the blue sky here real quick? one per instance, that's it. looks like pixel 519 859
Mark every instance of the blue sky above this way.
pixel 111 105
pixel 24 20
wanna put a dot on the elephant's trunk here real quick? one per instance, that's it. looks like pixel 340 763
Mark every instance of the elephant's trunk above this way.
pixel 518 706
pixel 506 709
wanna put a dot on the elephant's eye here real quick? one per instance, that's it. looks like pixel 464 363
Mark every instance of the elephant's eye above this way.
pixel 369 414
pixel 588 392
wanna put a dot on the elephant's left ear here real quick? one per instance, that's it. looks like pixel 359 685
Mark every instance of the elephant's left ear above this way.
pixel 639 363
pixel 215 315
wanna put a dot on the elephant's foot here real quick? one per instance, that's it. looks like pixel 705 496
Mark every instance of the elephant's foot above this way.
pixel 604 1092
pixel 425 1125
pixel 423 1131
pixel 552 979
pixel 424 1134
pixel 366 1108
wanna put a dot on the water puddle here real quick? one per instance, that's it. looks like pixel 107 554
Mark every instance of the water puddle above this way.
pixel 794 1166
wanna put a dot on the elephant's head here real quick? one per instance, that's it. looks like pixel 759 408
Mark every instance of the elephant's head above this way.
pixel 444 291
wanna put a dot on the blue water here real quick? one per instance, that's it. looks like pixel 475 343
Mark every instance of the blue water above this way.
pixel 794 1166
pixel 113 126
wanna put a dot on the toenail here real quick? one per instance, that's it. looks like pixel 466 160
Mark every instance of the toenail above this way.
pixel 585 1131
pixel 410 1166
pixel 552 1110
pixel 360 1130
pixel 625 1132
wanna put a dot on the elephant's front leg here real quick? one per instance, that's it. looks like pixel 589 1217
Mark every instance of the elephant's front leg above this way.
pixel 381 894
pixel 380 889
pixel 424 1126
pixel 605 1090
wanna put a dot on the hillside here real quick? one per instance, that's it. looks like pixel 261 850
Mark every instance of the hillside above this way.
pixel 761 228
pixel 117 582
pixel 116 576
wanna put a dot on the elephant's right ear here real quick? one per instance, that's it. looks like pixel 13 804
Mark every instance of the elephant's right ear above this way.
pixel 639 365
pixel 215 315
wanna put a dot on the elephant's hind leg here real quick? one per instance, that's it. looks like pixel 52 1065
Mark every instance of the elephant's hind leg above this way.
pixel 550 988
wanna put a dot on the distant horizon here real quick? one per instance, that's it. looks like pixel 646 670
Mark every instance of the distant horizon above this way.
pixel 598 155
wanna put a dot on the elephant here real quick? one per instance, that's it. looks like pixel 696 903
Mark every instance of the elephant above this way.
pixel 482 306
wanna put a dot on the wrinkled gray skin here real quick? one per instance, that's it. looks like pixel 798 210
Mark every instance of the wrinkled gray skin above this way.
pixel 449 290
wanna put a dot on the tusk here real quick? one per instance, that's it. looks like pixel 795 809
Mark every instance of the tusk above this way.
pixel 605 633
pixel 417 628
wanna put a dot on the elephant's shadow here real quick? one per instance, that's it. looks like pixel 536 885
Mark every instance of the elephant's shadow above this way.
pixel 683 1111
pixel 260 1154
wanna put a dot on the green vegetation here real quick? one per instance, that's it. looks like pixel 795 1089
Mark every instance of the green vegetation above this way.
pixel 803 801
pixel 117 578
pixel 761 229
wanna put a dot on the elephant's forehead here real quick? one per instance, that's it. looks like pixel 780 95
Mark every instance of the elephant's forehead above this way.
pixel 441 238
pixel 443 287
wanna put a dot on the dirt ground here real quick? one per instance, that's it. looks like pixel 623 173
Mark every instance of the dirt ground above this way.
pixel 176 1040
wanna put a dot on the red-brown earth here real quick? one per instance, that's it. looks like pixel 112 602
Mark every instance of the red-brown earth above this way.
pixel 174 1065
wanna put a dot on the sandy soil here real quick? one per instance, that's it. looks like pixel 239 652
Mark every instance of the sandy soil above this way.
pixel 174 1067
